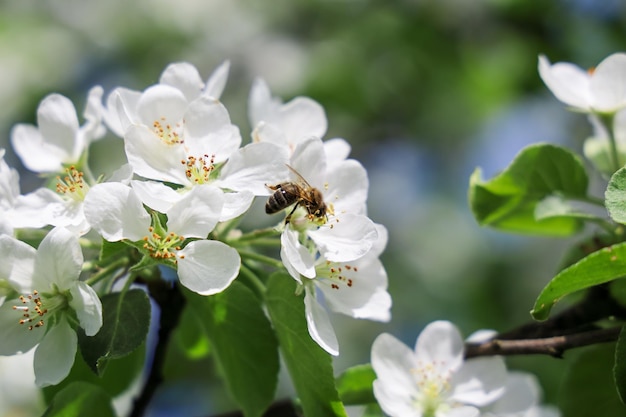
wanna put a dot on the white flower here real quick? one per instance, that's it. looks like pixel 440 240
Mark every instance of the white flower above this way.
pixel 58 140
pixel 602 90
pixel 204 266
pixel 597 148
pixel 121 109
pixel 286 125
pixel 357 289
pixel 51 300
pixel 434 380
pixel 520 399
pixel 19 396
pixel 345 233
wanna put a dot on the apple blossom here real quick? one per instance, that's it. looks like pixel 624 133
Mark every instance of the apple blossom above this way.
pixel 520 399
pixel 58 141
pixel 434 380
pixel 51 303
pixel 357 289
pixel 602 90
pixel 204 266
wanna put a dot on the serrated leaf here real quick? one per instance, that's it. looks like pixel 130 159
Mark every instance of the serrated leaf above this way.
pixel 602 266
pixel 619 369
pixel 309 365
pixel 588 389
pixel 243 342
pixel 125 323
pixel 355 385
pixel 509 200
pixel 615 196
pixel 81 399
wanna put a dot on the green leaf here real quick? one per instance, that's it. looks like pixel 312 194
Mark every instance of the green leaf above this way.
pixel 309 365
pixel 191 337
pixel 243 342
pixel 604 265
pixel 588 388
pixel 81 399
pixel 355 385
pixel 619 369
pixel 508 201
pixel 125 323
pixel 615 196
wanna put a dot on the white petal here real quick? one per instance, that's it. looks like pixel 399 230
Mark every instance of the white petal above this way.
pixel 163 104
pixel 366 297
pixel 463 411
pixel 156 195
pixel 235 204
pixel 254 166
pixel 208 266
pixel 394 401
pixel 271 133
pixel 197 212
pixel 440 342
pixel 393 361
pixel 521 393
pixel 121 110
pixel 568 83
pixel 479 381
pixel 16 338
pixel 303 118
pixel 336 150
pixel 87 306
pixel 608 83
pixel 18 260
pixel 318 323
pixel 9 183
pixel 54 356
pixel 185 77
pixel 346 240
pixel 217 80
pixel 152 158
pixel 36 209
pixel 58 124
pixel 296 256
pixel 36 154
pixel 93 128
pixel 116 212
pixel 59 260
pixel 347 187
pixel 309 161
pixel 261 105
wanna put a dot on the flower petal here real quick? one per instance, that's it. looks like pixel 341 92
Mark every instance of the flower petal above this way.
pixel 156 195
pixel 87 306
pixel 347 240
pixel 116 212
pixel 197 212
pixel 55 354
pixel 296 256
pixel 608 83
pixel 217 81
pixel 318 323
pixel 58 124
pixel 235 204
pixel 18 260
pixel 441 343
pixel 479 381
pixel 59 260
pixel 185 77
pixel 16 338
pixel 569 83
pixel 302 118
pixel 207 266
pixel 36 154
pixel 392 361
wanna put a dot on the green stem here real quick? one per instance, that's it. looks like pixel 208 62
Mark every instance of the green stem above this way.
pixel 105 272
pixel 607 120
pixel 260 258
pixel 257 235
pixel 253 279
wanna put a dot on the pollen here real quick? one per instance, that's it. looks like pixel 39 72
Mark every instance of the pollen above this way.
pixel 72 185
pixel 32 310
pixel 163 247
pixel 168 133
pixel 199 170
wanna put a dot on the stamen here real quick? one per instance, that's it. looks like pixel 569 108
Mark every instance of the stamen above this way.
pixel 168 133
pixel 199 170
pixel 72 185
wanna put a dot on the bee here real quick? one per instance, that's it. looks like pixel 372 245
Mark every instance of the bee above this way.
pixel 300 193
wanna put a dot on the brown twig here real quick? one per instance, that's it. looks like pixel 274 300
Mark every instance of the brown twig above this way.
pixel 553 346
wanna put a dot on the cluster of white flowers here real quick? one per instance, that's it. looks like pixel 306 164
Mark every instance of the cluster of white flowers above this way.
pixel 434 380
pixel 187 173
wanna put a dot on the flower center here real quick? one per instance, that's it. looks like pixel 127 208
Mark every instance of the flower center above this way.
pixel 434 386
pixel 162 247
pixel 72 185
pixel 336 275
pixel 34 307
pixel 199 170
pixel 166 132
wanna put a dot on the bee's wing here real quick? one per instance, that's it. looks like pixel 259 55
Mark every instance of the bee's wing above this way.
pixel 300 177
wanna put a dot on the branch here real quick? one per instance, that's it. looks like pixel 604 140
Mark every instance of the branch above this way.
pixel 553 346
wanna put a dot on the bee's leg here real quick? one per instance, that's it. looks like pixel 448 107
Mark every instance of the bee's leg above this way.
pixel 288 218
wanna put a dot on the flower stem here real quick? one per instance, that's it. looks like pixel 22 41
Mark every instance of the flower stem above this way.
pixel 260 258
pixel 607 120
pixel 253 279
pixel 108 270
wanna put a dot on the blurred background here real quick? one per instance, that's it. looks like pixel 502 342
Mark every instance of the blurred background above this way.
pixel 424 90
